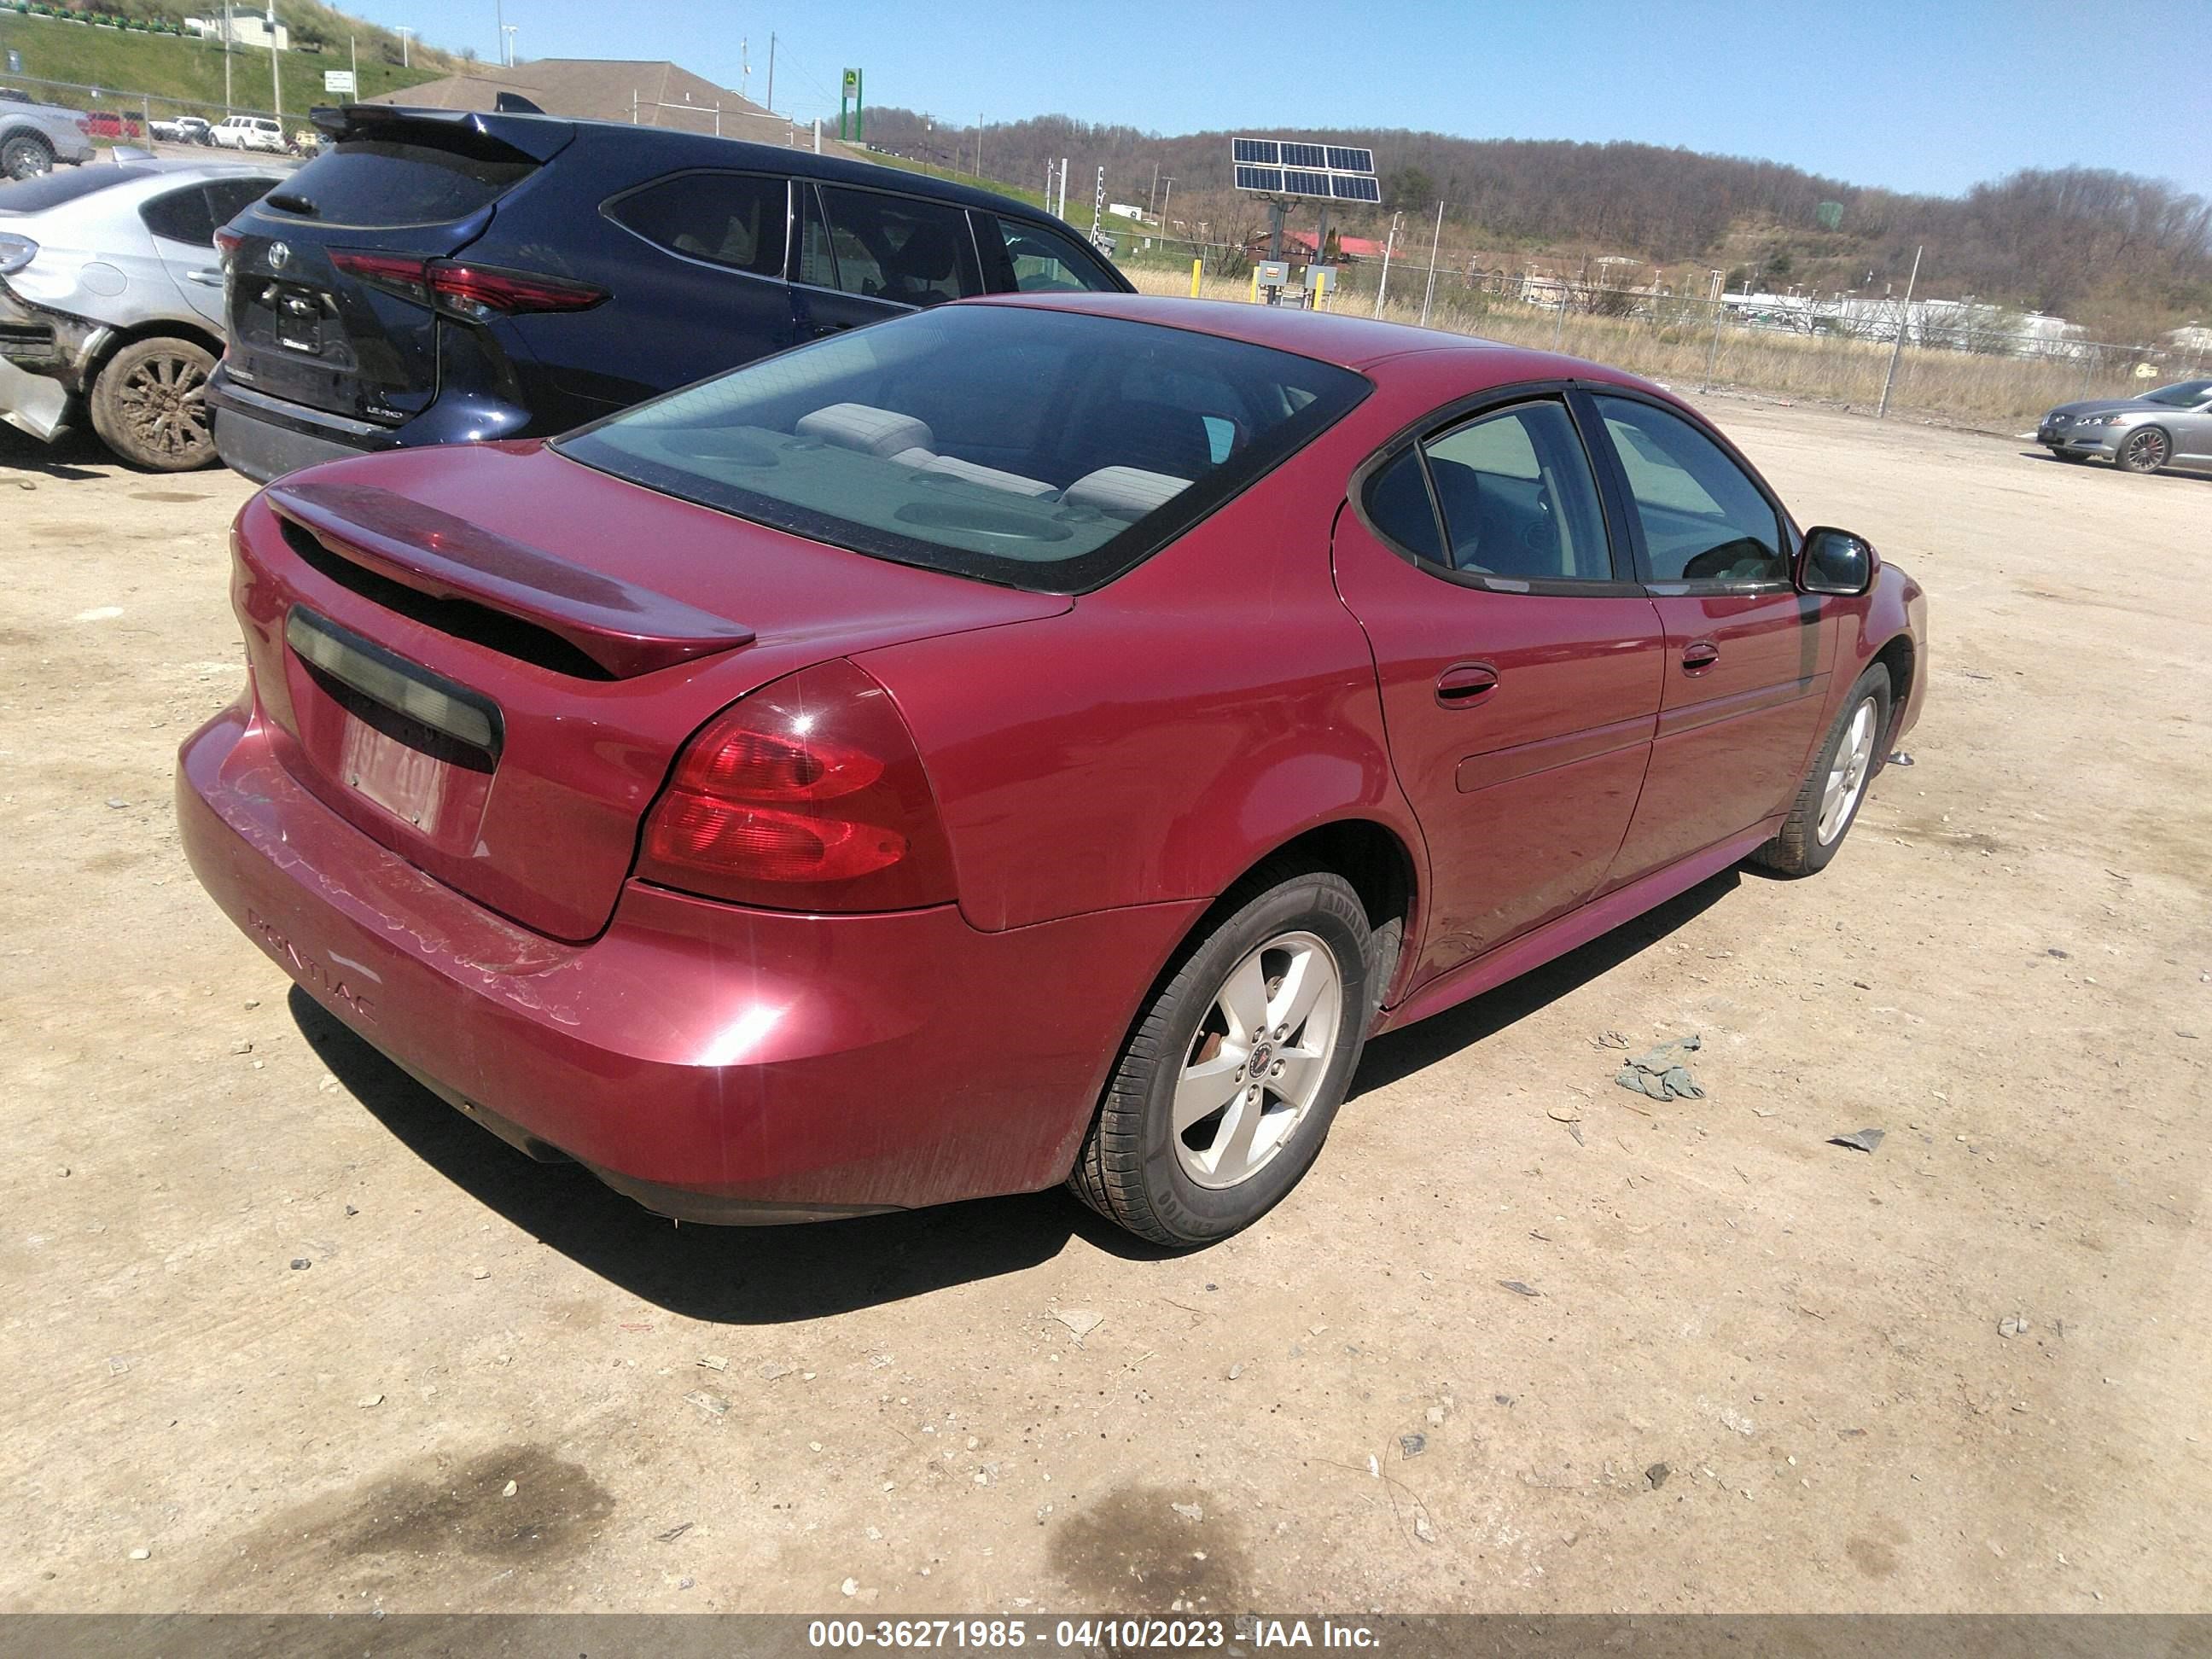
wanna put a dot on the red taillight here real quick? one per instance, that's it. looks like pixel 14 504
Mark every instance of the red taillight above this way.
pixel 474 292
pixel 809 795
pixel 226 244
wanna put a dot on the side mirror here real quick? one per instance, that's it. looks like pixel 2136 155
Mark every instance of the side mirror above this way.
pixel 1834 561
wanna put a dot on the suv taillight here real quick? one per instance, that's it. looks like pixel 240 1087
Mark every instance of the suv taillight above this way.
pixel 808 795
pixel 475 293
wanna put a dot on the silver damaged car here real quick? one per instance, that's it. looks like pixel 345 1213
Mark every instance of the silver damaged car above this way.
pixel 2171 426
pixel 111 302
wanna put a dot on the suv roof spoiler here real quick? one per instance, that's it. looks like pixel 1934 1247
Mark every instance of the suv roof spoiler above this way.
pixel 534 138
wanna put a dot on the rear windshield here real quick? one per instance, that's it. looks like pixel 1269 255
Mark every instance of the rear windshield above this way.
pixel 1040 449
pixel 377 184
pixel 48 190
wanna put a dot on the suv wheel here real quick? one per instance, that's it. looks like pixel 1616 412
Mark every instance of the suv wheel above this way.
pixel 150 406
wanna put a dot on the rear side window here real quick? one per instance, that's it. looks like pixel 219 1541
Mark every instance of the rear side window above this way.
pixel 378 184
pixel 732 219
pixel 228 198
pixel 182 215
pixel 1046 262
pixel 896 248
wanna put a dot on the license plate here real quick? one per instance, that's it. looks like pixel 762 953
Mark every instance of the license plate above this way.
pixel 399 777
pixel 299 324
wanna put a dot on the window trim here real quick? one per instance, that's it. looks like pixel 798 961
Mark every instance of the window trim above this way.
pixel 828 225
pixel 780 275
pixel 1450 417
pixel 1600 441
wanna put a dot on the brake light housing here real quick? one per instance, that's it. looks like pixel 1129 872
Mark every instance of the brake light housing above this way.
pixel 809 794
pixel 473 293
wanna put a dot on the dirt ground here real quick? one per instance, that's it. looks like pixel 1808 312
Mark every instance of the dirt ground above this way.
pixel 283 1322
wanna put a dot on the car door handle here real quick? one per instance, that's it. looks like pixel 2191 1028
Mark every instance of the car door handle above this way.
pixel 1699 655
pixel 1464 686
pixel 821 329
pixel 206 279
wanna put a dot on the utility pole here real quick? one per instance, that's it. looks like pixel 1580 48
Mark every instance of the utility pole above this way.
pixel 1063 186
pixel 1164 200
pixel 1897 350
pixel 1389 244
pixel 403 43
pixel 744 69
pixel 499 12
pixel 275 86
pixel 1435 242
pixel 979 144
pixel 1098 209
pixel 771 80
pixel 1153 201
pixel 508 44
pixel 225 58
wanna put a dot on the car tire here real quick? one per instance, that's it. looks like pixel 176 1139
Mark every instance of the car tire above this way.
pixel 149 404
pixel 1287 974
pixel 1828 802
pixel 25 156
pixel 2144 450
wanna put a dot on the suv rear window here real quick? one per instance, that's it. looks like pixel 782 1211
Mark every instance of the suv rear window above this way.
pixel 1046 450
pixel 377 183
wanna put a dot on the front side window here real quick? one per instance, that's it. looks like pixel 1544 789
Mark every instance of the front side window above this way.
pixel 732 219
pixel 900 249
pixel 1046 262
pixel 1703 520
pixel 1042 449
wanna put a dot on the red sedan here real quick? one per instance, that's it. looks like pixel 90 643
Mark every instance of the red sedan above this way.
pixel 1028 741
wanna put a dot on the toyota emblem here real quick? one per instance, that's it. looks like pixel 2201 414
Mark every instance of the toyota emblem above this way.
pixel 279 255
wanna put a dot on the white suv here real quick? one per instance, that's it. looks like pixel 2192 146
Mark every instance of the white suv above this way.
pixel 249 133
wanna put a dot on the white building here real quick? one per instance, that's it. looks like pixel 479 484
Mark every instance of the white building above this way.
pixel 247 28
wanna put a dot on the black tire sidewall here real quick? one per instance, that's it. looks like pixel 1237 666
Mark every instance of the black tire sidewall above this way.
pixel 1325 907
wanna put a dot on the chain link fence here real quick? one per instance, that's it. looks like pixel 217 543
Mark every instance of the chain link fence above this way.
pixel 1976 364
pixel 113 117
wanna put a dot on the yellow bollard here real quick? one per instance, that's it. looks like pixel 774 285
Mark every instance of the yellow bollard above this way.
pixel 1196 266
pixel 1255 285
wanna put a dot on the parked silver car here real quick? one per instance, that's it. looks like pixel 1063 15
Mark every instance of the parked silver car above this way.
pixel 2169 427
pixel 111 302
pixel 35 135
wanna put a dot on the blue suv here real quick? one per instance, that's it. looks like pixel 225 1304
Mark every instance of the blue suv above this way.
pixel 444 277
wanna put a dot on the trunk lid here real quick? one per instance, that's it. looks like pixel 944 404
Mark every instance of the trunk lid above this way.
pixel 487 659
pixel 408 184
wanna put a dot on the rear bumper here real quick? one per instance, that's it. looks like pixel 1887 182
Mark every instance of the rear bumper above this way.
pixel 263 437
pixel 718 1064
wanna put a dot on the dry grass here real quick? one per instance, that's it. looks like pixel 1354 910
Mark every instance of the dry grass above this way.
pixel 2005 392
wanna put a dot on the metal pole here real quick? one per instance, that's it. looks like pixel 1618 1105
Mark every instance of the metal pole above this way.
pixel 1098 208
pixel 1063 186
pixel 225 58
pixel 499 14
pixel 1713 357
pixel 1164 200
pixel 979 144
pixel 275 87
pixel 1382 286
pixel 1435 242
pixel 771 104
pixel 1152 200
pixel 1897 350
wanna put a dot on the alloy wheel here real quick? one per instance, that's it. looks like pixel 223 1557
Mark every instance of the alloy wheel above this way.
pixel 163 401
pixel 1847 774
pixel 1256 1065
pixel 2147 450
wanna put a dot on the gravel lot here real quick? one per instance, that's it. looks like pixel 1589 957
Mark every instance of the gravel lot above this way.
pixel 310 1341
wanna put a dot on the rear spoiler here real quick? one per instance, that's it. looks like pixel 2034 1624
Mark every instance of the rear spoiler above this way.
pixel 526 138
pixel 626 630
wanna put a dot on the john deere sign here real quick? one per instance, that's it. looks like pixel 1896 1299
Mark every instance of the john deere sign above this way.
pixel 849 99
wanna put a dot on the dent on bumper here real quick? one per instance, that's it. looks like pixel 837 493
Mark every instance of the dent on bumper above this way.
pixel 713 1062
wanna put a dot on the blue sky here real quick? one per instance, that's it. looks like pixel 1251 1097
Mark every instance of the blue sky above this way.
pixel 1928 97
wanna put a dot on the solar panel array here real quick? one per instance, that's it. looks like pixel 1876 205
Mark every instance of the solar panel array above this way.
pixel 1298 167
